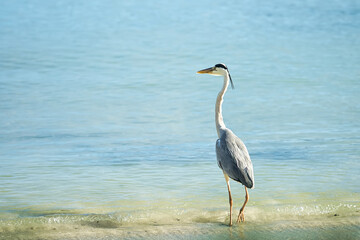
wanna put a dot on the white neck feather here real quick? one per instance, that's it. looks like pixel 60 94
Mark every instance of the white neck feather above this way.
pixel 220 125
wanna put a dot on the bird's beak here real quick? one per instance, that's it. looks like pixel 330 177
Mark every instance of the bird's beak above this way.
pixel 206 70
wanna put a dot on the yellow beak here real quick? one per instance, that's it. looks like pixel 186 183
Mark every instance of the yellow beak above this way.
pixel 206 70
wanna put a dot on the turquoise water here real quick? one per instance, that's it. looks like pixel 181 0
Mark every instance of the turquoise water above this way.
pixel 108 133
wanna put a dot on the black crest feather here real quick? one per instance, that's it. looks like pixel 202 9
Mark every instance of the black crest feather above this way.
pixel 220 65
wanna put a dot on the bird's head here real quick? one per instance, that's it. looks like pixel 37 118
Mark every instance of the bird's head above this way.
pixel 219 69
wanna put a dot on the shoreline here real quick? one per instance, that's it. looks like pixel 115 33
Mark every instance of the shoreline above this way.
pixel 67 226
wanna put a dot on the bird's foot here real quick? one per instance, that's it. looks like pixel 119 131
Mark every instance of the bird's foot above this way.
pixel 230 221
pixel 241 217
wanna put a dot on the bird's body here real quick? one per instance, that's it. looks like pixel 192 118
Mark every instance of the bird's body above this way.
pixel 233 158
pixel 232 155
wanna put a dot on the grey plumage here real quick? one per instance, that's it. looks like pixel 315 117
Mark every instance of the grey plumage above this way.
pixel 233 158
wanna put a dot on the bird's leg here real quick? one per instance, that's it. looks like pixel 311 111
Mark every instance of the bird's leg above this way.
pixel 241 213
pixel 230 198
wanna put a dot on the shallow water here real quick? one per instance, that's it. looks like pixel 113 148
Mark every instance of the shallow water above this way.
pixel 108 133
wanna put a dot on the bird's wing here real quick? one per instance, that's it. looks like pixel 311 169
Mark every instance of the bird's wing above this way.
pixel 233 158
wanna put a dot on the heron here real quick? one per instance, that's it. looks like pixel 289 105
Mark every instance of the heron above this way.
pixel 232 155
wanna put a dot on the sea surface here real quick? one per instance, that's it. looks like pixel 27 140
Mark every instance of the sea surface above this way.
pixel 107 132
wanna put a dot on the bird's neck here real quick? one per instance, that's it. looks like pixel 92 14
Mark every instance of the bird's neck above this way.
pixel 220 125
